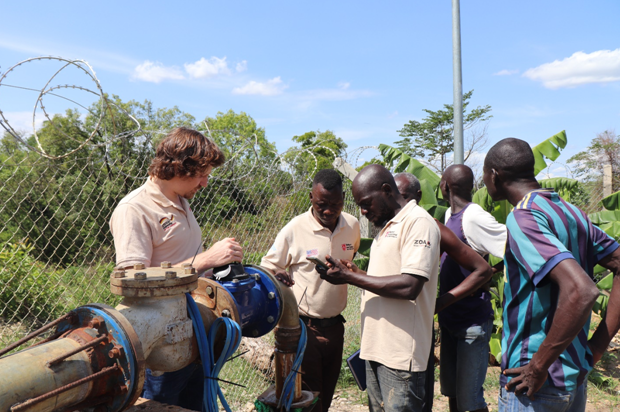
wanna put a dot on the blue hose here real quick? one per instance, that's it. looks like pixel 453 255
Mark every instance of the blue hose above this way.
pixel 212 367
pixel 288 389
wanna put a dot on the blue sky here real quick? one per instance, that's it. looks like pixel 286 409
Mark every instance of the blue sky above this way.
pixel 361 69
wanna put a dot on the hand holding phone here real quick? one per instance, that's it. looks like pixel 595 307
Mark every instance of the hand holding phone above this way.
pixel 318 263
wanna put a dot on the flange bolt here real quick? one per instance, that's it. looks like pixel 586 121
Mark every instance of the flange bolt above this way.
pixel 140 275
pixel 170 274
pixel 118 274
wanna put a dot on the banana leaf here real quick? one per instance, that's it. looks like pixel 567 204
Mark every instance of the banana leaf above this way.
pixel 606 216
pixel 428 193
pixel 606 283
pixel 612 202
pixel 495 345
pixel 550 149
pixel 406 163
pixel 365 244
pixel 564 186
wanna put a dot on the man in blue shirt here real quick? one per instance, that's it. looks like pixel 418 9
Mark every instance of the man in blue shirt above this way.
pixel 551 250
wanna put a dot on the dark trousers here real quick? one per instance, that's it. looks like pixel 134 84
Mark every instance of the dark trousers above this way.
pixel 184 388
pixel 430 378
pixel 322 361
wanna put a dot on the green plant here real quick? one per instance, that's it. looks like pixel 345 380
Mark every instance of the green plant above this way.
pixel 28 289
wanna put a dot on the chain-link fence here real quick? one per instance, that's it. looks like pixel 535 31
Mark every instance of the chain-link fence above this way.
pixel 57 253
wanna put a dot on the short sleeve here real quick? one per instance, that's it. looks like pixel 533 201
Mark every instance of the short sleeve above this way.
pixel 603 244
pixel 420 248
pixel 534 244
pixel 484 234
pixel 133 239
pixel 278 256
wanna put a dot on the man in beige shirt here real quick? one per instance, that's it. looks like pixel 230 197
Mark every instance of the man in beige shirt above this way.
pixel 154 223
pixel 400 286
pixel 323 230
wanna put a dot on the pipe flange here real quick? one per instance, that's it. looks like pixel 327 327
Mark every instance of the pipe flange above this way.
pixel 143 282
pixel 121 349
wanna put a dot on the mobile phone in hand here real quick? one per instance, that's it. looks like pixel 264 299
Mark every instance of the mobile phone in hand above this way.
pixel 318 262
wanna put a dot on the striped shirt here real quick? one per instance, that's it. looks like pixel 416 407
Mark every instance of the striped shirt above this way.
pixel 543 230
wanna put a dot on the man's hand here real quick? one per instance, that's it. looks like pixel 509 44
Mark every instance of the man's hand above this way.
pixel 351 266
pixel 221 253
pixel 285 278
pixel 526 380
pixel 336 275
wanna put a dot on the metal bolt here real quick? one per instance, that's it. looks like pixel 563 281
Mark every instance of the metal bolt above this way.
pixel 186 265
pixel 139 266
pixel 271 295
pixel 235 281
pixel 118 274
pixel 170 274
pixel 116 352
pixel 166 265
pixel 209 291
pixel 95 323
pixel 140 275
pixel 255 333
pixel 226 313
pixel 120 389
pixel 256 277
pixel 270 319
pixel 189 270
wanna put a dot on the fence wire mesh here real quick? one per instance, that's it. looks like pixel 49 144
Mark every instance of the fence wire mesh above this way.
pixel 58 191
pixel 56 250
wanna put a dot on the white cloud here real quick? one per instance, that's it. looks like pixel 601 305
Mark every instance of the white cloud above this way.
pixel 242 66
pixel 344 85
pixel 204 68
pixel 22 121
pixel 505 72
pixel 602 66
pixel 269 88
pixel 156 72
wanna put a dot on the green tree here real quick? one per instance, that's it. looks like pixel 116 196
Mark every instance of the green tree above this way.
pixel 603 150
pixel 316 150
pixel 433 137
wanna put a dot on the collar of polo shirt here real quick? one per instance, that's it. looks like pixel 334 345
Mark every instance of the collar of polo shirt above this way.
pixel 158 197
pixel 317 227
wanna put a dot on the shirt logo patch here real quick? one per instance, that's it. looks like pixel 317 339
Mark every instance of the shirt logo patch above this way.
pixel 391 234
pixel 312 253
pixel 166 223
pixel 347 246
pixel 422 243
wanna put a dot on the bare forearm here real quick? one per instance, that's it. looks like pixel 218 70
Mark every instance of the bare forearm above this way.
pixel 610 323
pixel 401 286
pixel 471 284
pixel 573 310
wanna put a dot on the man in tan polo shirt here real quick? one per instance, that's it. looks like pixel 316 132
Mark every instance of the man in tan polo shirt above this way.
pixel 400 286
pixel 154 223
pixel 323 230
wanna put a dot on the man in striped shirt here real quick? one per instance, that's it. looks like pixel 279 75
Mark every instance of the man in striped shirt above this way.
pixel 551 251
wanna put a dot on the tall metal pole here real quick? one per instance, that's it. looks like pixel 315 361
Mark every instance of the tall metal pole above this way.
pixel 459 154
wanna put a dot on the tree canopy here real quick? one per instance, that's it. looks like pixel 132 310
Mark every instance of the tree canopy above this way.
pixel 432 138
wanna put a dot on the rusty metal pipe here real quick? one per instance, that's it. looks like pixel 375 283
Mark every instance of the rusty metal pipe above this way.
pixel 287 335
pixel 65 388
pixel 71 316
pixel 77 350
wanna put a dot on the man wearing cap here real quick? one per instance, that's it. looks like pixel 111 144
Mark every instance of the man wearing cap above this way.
pixel 154 224
pixel 323 230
